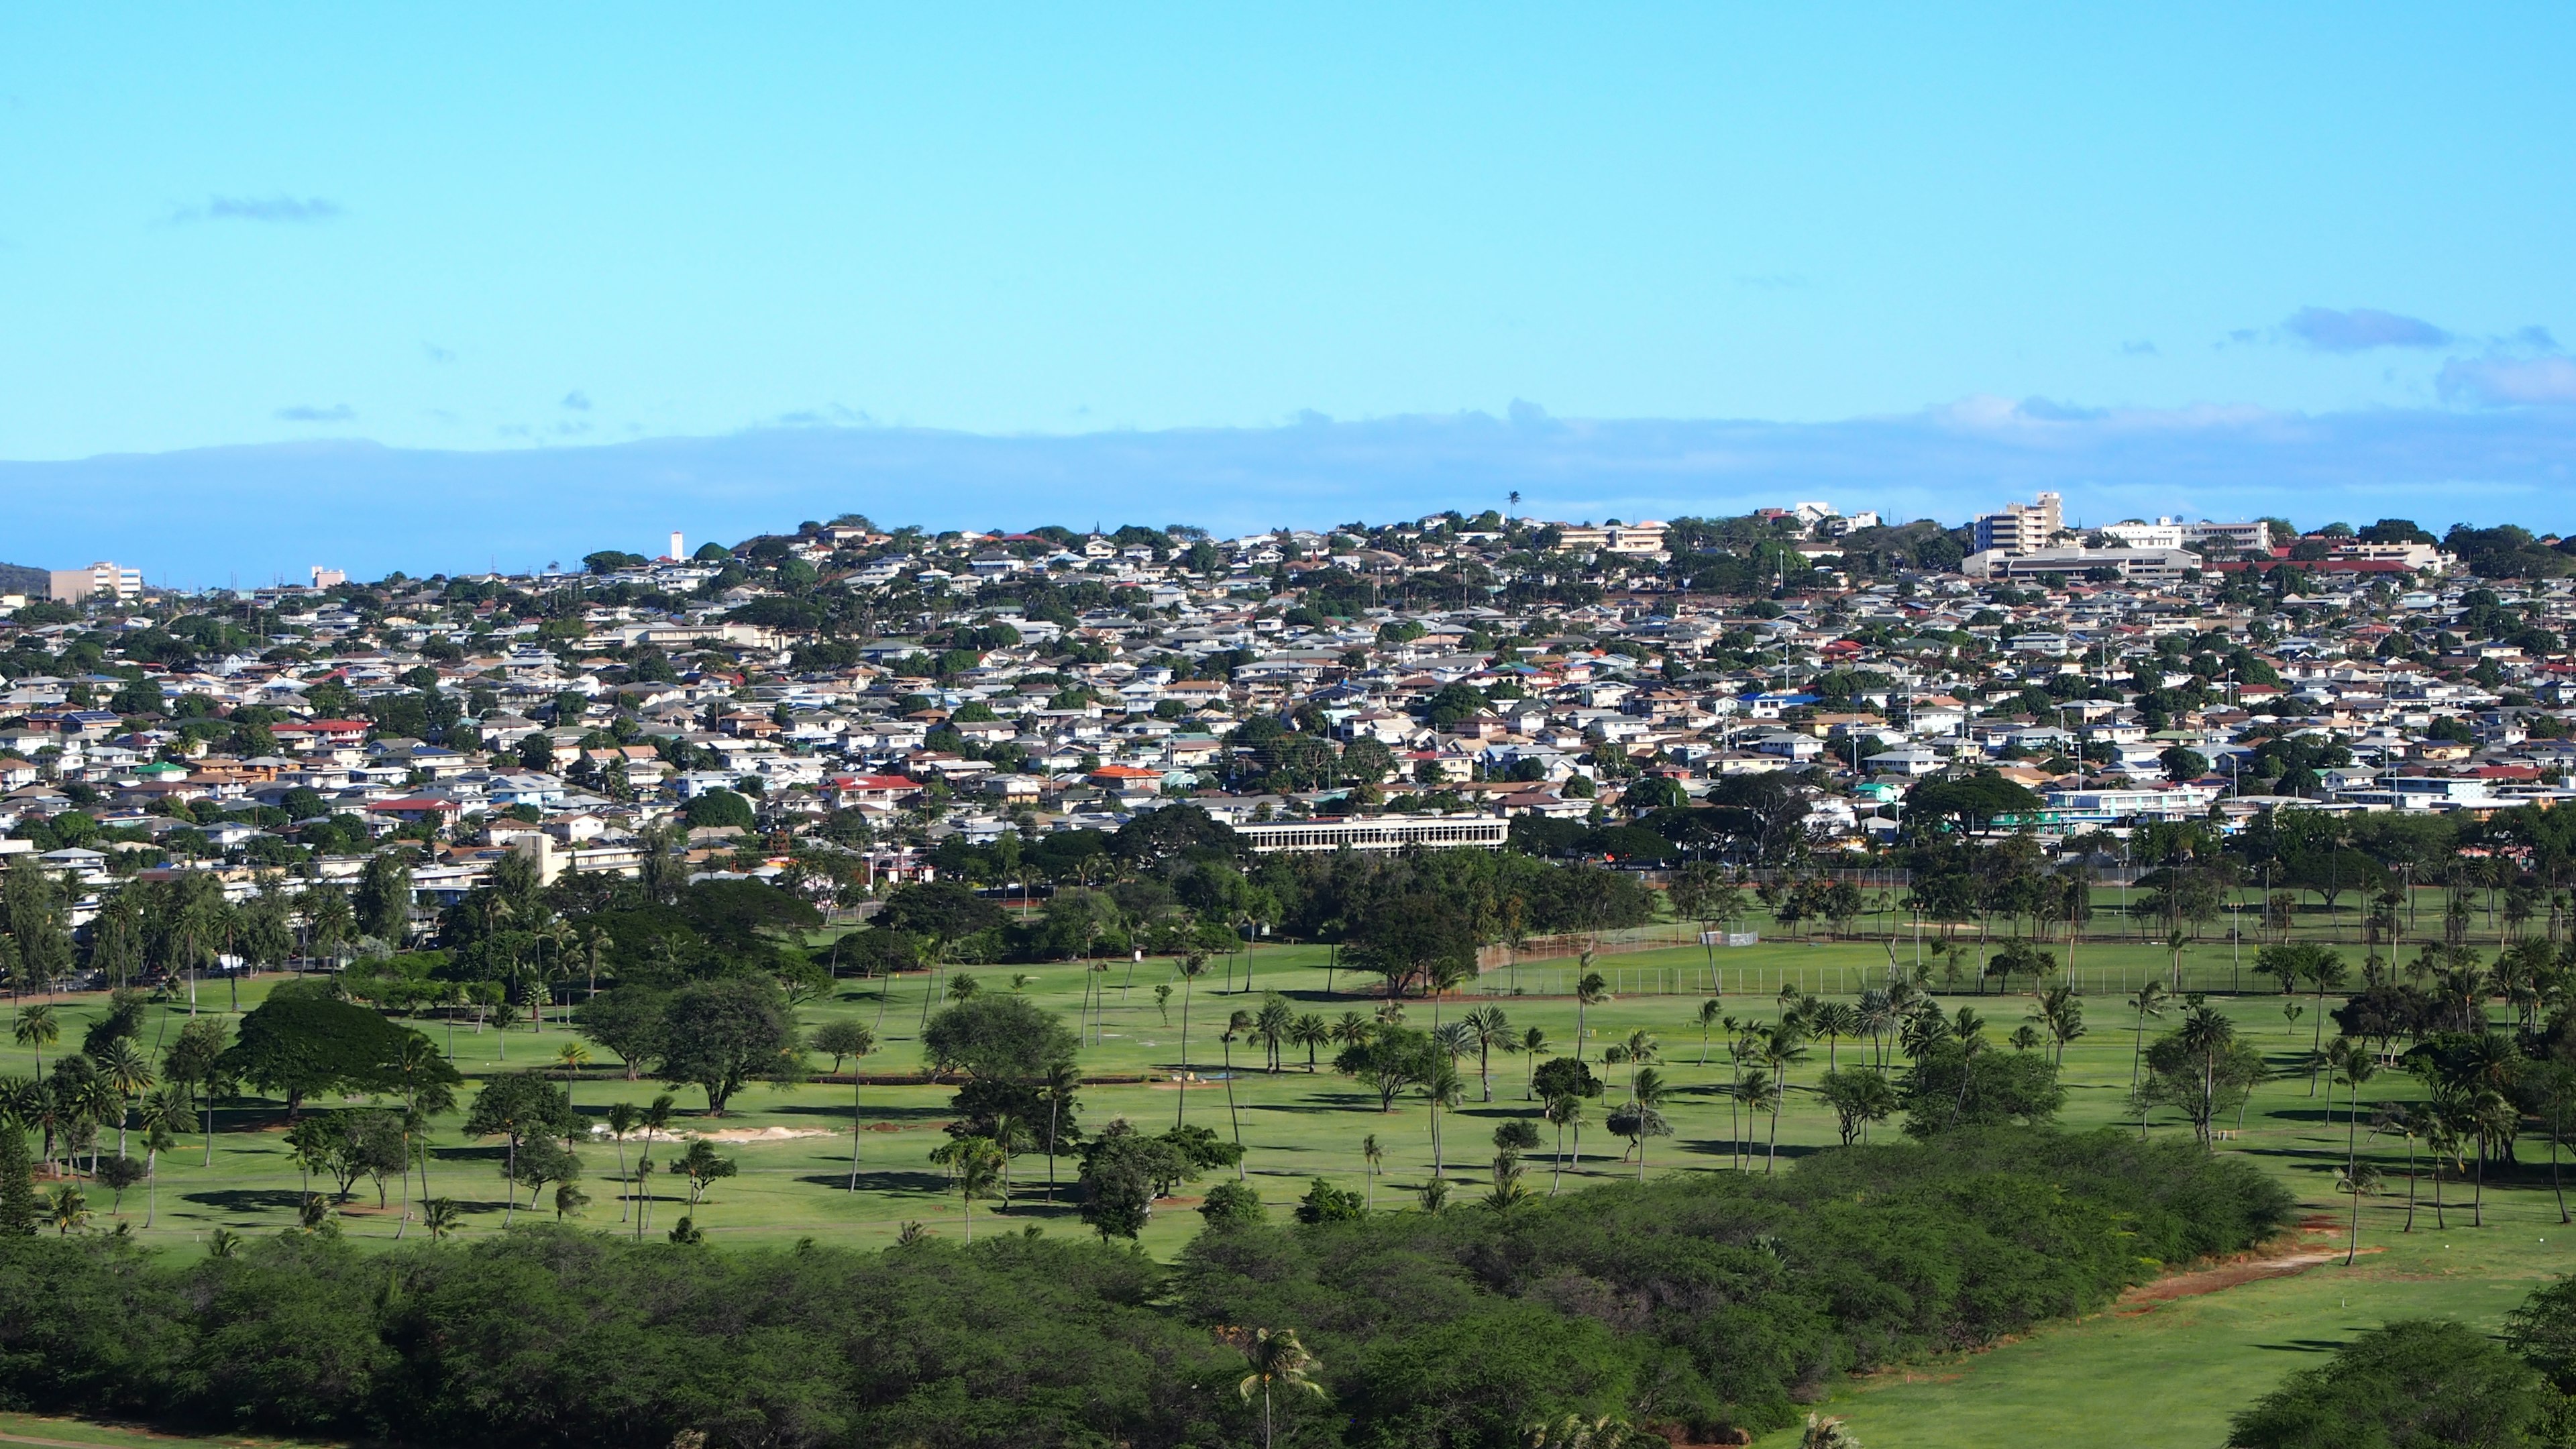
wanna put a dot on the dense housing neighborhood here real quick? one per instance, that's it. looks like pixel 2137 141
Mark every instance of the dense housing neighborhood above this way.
pixel 843 708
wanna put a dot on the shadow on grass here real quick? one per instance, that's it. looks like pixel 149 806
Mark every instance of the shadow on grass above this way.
pixel 248 1200
pixel 869 1111
pixel 2307 1345
pixel 1332 1102
pixel 883 1180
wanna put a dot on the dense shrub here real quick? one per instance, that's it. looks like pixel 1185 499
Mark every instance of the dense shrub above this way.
pixel 1702 1301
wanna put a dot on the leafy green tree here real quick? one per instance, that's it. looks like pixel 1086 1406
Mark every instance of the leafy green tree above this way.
pixel 523 1107
pixel 298 1045
pixel 1391 1060
pixel 1325 1203
pixel 630 1021
pixel 1007 1048
pixel 942 913
pixel 1858 1097
pixel 1230 1205
pixel 382 900
pixel 1954 1084
pixel 719 1035
pixel 717 808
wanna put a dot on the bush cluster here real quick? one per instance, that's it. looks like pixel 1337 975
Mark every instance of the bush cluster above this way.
pixel 1705 1302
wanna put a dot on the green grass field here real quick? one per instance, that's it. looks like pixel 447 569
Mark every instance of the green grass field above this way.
pixel 2166 1374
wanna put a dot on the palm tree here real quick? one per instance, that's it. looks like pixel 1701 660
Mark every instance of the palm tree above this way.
pixel 1277 1358
pixel 975 1164
pixel 1711 1012
pixel 1274 1022
pixel 166 1113
pixel 1311 1032
pixel 1647 1093
pixel 1440 1088
pixel 1534 1045
pixel 1487 1029
pixel 2149 1001
pixel 1760 1093
pixel 656 1118
pixel 1372 1162
pixel 1779 1052
pixel 66 1209
pixel 1059 1084
pixel 127 1072
pixel 1563 1111
pixel 1590 991
pixel 439 1215
pixel 2356 1178
pixel 1641 1049
pixel 622 1119
pixel 1833 1021
pixel 1191 966
pixel 1236 1026
pixel 2352 1071
pixel 36 1027
pixel 572 1056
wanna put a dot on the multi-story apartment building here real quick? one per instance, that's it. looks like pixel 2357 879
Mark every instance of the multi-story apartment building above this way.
pixel 2021 527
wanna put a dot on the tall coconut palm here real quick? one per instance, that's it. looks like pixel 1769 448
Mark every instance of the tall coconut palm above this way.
pixel 656 1117
pixel 1238 1025
pixel 1277 1358
pixel 623 1118
pixel 1647 1094
pixel 1440 1088
pixel 975 1166
pixel 1192 966
pixel 1641 1048
pixel 1372 1162
pixel 1711 1012
pixel 127 1071
pixel 1591 990
pixel 166 1113
pixel 1489 1028
pixel 572 1056
pixel 2149 1001
pixel 1563 1111
pixel 1534 1045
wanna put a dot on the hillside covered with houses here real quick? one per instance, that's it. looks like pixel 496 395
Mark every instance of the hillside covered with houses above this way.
pixel 843 708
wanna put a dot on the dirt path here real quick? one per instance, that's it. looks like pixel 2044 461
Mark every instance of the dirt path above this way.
pixel 2291 1257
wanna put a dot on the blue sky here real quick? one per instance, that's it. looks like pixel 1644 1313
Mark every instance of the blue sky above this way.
pixel 538 230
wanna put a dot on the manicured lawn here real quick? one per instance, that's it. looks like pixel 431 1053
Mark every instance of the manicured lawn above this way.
pixel 2167 1375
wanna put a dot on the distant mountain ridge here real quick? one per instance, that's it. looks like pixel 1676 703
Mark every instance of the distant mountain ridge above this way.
pixel 20 579
pixel 251 515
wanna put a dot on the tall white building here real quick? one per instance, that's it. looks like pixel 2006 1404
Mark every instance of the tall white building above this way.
pixel 70 586
pixel 2021 527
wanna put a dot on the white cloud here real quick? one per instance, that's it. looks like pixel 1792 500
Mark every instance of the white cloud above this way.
pixel 2509 381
